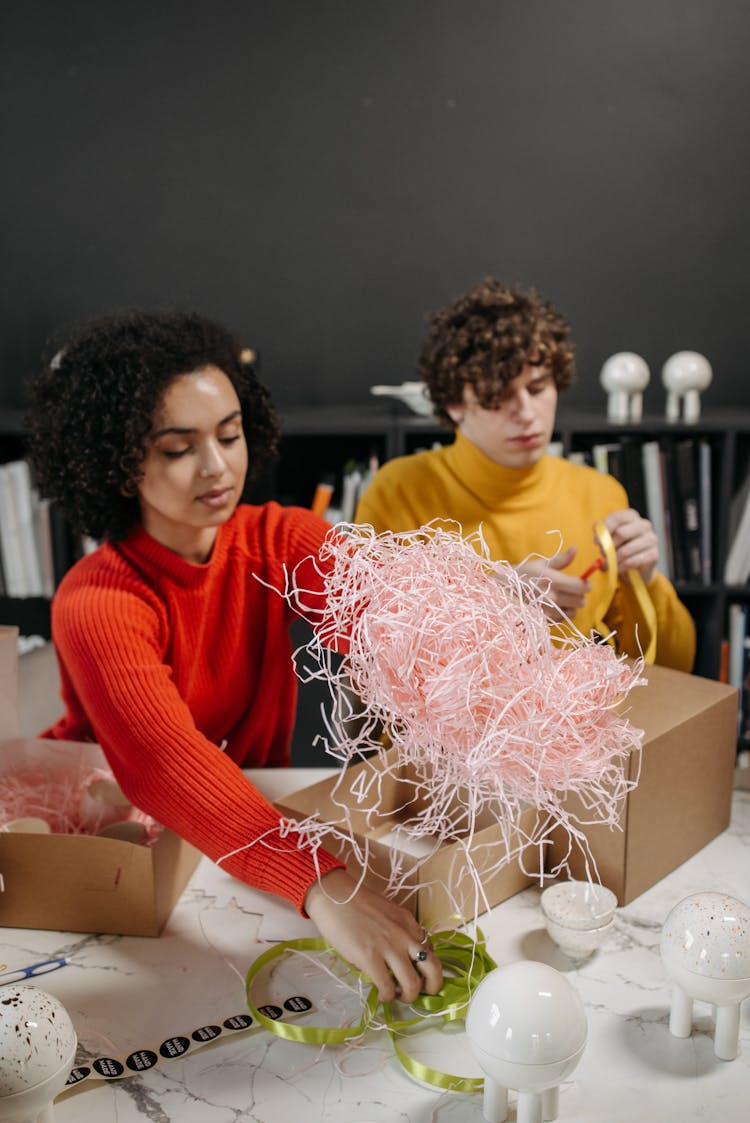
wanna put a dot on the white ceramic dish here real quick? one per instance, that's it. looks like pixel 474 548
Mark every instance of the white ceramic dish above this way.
pixel 578 916
pixel 411 393
pixel 577 943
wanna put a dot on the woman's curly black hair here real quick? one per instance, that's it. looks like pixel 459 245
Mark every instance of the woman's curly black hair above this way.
pixel 485 338
pixel 92 407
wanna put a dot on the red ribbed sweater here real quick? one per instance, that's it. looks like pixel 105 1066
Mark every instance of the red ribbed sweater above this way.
pixel 162 661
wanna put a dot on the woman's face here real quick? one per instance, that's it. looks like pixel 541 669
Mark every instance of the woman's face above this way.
pixel 195 465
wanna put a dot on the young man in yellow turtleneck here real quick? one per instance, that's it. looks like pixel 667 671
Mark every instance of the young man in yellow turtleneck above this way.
pixel 494 362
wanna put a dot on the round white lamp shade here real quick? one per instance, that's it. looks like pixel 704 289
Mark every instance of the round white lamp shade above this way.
pixel 684 376
pixel 625 376
pixel 705 948
pixel 37 1051
pixel 526 1026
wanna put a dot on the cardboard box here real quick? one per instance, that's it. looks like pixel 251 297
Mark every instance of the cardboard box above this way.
pixel 9 723
pixel 684 794
pixel 435 882
pixel 80 883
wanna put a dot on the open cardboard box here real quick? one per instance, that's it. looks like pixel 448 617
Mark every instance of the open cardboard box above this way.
pixel 435 885
pixel 684 795
pixel 79 883
pixel 682 801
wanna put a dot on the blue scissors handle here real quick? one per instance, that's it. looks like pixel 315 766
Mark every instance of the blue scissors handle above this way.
pixel 33 969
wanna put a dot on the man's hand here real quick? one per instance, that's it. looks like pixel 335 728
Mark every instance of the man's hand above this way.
pixel 565 591
pixel 635 543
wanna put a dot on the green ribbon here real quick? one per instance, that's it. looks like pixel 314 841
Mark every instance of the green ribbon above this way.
pixel 465 963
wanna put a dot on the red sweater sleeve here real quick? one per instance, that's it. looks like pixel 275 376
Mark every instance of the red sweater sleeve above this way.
pixel 115 634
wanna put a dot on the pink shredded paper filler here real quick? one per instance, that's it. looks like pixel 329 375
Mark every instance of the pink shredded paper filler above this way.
pixel 450 653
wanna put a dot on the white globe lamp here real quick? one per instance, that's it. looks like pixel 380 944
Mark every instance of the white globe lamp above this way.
pixel 526 1027
pixel 37 1050
pixel 705 949
pixel 685 375
pixel 625 376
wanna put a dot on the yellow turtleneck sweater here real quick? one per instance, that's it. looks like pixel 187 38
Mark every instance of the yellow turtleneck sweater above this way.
pixel 539 510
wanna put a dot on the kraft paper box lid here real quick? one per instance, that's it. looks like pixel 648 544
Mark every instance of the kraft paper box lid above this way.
pixel 435 882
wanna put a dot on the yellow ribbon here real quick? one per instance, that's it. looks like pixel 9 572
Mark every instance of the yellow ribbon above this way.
pixel 640 592
pixel 465 963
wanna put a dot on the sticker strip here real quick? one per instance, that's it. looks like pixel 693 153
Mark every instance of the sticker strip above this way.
pixel 172 1048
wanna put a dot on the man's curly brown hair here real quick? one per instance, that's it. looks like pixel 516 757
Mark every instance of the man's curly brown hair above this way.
pixel 92 407
pixel 485 338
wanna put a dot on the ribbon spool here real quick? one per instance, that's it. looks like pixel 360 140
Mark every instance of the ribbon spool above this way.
pixel 643 600
pixel 465 963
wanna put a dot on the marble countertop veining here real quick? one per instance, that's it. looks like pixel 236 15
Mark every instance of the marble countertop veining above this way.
pixel 128 993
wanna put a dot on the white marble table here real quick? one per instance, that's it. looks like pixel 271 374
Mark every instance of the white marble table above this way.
pixel 126 993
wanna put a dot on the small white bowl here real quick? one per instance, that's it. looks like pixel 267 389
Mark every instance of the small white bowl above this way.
pixel 578 943
pixel 578 915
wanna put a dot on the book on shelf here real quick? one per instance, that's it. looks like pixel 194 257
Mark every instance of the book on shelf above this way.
pixel 739 667
pixel 656 502
pixel 356 478
pixel 623 460
pixel 687 508
pixel 581 456
pixel 737 634
pixel 36 545
pixel 10 537
pixel 669 482
pixel 705 488
pixel 43 538
pixel 605 457
pixel 673 513
pixel 737 565
pixel 632 475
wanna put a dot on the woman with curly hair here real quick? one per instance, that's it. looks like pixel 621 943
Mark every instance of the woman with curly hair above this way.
pixel 173 646
pixel 494 362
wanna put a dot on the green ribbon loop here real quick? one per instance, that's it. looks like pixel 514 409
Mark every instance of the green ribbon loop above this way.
pixel 465 963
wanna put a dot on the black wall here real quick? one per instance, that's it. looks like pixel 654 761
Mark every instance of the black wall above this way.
pixel 320 173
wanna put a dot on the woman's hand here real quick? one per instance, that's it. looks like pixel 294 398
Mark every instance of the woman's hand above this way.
pixel 379 938
pixel 567 592
pixel 635 543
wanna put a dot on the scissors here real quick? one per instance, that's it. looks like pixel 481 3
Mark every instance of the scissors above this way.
pixel 31 971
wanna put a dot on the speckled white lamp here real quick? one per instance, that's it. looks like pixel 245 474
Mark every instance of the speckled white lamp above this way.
pixel 705 948
pixel 684 375
pixel 37 1051
pixel 625 376
pixel 527 1029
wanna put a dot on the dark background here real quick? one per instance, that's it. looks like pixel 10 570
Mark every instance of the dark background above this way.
pixel 318 174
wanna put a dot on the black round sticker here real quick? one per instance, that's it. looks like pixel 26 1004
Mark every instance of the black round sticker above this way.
pixel 77 1075
pixel 174 1046
pixel 298 1004
pixel 239 1021
pixel 141 1060
pixel 108 1066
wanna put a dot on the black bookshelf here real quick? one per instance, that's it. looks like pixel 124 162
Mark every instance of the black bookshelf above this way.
pixel 318 440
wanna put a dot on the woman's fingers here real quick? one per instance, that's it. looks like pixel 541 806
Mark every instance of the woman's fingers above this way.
pixel 379 938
